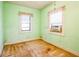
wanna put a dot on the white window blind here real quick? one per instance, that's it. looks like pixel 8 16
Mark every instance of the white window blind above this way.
pixel 25 22
pixel 56 18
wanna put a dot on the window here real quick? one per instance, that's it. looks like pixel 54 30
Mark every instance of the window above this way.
pixel 56 21
pixel 25 20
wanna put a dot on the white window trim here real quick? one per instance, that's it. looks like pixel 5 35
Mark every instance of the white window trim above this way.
pixel 30 28
pixel 57 33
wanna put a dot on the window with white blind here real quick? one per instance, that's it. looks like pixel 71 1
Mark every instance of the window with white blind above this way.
pixel 25 20
pixel 56 21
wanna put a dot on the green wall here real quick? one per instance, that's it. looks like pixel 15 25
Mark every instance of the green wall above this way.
pixel 1 27
pixel 70 40
pixel 12 32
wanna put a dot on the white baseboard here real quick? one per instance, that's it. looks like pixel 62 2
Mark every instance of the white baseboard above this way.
pixel 7 43
pixel 69 50
pixel 66 49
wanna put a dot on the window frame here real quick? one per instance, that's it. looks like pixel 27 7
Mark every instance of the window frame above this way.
pixel 31 16
pixel 53 11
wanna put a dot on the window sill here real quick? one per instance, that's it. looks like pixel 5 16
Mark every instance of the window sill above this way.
pixel 60 34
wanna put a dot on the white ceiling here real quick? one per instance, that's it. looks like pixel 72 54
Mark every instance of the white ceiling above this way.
pixel 32 4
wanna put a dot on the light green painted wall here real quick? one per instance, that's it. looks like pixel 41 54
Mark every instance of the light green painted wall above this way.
pixel 12 31
pixel 70 40
pixel 1 28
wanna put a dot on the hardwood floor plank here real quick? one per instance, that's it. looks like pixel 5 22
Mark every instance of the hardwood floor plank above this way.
pixel 35 48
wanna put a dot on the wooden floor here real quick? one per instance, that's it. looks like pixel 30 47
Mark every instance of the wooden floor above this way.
pixel 35 48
